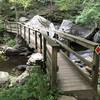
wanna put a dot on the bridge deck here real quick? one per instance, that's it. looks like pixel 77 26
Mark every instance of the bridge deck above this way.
pixel 69 79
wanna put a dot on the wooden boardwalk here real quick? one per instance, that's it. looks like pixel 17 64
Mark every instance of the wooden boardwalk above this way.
pixel 68 79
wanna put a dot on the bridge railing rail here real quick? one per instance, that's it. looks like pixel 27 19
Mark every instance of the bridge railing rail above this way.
pixel 42 43
pixel 94 65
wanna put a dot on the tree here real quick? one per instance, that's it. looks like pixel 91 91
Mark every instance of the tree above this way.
pixel 24 3
pixel 4 8
pixel 90 13
pixel 67 4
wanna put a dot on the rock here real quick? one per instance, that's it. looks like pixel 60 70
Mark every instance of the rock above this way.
pixel 41 24
pixel 34 58
pixel 21 67
pixel 89 58
pixel 11 51
pixel 22 78
pixel 19 80
pixel 12 81
pixel 97 37
pixel 66 26
pixel 71 28
pixel 23 19
pixel 20 42
pixel 4 77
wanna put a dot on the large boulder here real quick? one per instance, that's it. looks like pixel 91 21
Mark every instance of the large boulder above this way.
pixel 97 37
pixel 66 26
pixel 41 24
pixel 21 67
pixel 11 51
pixel 23 19
pixel 34 58
pixel 22 78
pixel 4 77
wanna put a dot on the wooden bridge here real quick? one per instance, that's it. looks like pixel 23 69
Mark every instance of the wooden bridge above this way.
pixel 64 74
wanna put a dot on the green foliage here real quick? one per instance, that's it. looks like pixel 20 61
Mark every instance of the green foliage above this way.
pixel 8 40
pixel 4 8
pixel 1 26
pixel 67 4
pixel 24 3
pixel 35 87
pixel 90 14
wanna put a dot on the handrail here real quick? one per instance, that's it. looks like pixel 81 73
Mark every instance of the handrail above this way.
pixel 86 43
pixel 95 64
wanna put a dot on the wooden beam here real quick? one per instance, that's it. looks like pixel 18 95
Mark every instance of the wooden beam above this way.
pixel 54 67
pixel 29 35
pixel 95 70
pixel 86 43
pixel 36 40
pixel 40 43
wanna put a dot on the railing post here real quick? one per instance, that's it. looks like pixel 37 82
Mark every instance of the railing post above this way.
pixel 29 35
pixel 36 40
pixel 10 27
pixel 5 25
pixel 24 32
pixel 95 70
pixel 40 43
pixel 68 43
pixel 20 29
pixel 44 52
pixel 54 67
pixel 17 28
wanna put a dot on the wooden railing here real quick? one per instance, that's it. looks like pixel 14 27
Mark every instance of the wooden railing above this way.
pixel 49 47
pixel 42 43
pixel 95 64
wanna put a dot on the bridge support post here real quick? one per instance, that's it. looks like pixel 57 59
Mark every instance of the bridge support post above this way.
pixel 44 53
pixel 40 43
pixel 96 71
pixel 54 67
pixel 68 43
pixel 36 40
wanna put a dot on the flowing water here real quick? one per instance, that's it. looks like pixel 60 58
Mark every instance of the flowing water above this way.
pixel 10 64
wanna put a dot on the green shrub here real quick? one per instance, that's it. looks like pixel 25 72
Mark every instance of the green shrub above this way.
pixel 1 26
pixel 8 40
pixel 36 87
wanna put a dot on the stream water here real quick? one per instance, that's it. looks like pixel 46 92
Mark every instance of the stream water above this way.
pixel 10 64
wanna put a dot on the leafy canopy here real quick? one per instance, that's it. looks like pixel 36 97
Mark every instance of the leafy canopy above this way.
pixel 90 13
pixel 24 3
pixel 67 4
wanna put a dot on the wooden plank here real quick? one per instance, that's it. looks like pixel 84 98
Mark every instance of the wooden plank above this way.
pixel 54 67
pixel 36 40
pixel 29 35
pixel 40 43
pixel 95 70
pixel 75 80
